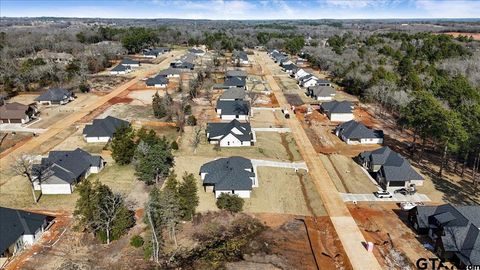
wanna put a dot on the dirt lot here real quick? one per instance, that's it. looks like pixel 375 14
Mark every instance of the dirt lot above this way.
pixel 379 224
pixel 347 175
pixel 7 139
pixel 142 97
pixel 105 84
pixel 267 118
pixel 129 112
pixel 76 141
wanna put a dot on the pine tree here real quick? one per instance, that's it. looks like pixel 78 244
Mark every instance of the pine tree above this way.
pixel 159 110
pixel 123 145
pixel 155 165
pixel 188 197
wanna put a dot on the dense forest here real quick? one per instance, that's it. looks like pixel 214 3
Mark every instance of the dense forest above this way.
pixel 429 81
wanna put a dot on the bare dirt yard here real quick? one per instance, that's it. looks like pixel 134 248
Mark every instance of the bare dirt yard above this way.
pixel 10 139
pixel 396 244
pixel 267 118
pixel 129 112
pixel 105 84
pixel 347 175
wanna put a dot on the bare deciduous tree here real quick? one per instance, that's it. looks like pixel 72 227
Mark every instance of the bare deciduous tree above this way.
pixel 24 166
pixel 197 138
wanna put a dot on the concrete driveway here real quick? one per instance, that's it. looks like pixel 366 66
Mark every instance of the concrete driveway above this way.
pixel 19 128
pixel 417 197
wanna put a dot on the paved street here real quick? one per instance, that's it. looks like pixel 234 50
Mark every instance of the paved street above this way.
pixel 417 197
pixel 350 235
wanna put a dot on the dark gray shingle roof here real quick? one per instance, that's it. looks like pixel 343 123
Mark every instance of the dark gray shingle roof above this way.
pixel 233 107
pixel 54 94
pixel 156 80
pixel 321 91
pixel 223 129
pixel 337 107
pixel 67 166
pixel 14 223
pixel 120 68
pixel 236 73
pixel 228 173
pixel 103 127
pixel 356 130
pixel 235 81
pixel 128 61
pixel 233 93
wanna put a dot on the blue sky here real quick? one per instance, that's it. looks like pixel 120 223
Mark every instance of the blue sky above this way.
pixel 244 9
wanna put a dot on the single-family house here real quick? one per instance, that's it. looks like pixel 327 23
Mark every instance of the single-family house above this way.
pixel 196 51
pixel 55 96
pixel 338 111
pixel 240 58
pixel 17 113
pixel 155 52
pixel 392 171
pixel 290 68
pixel 353 132
pixel 170 72
pixel 157 82
pixel 234 93
pixel 61 170
pixel 102 130
pixel 239 82
pixel 323 93
pixel 453 229
pixel 235 73
pixel 57 57
pixel 323 82
pixel 232 175
pixel 308 81
pixel 120 70
pixel 130 63
pixel 18 230
pixel 232 134
pixel 300 73
pixel 183 65
pixel 233 109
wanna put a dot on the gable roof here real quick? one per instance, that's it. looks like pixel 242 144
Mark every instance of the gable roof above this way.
pixel 290 66
pixel 128 61
pixel 235 73
pixel 196 50
pixel 103 127
pixel 66 166
pixel 323 81
pixel 156 80
pixel 356 130
pixel 233 93
pixel 170 71
pixel 16 223
pixel 461 226
pixel 223 129
pixel 233 107
pixel 397 168
pixel 235 81
pixel 228 173
pixel 241 55
pixel 322 91
pixel 337 106
pixel 13 110
pixel 120 68
pixel 54 94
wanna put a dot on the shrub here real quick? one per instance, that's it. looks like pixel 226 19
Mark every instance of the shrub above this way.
pixel 174 145
pixel 230 202
pixel 84 88
pixel 136 241
pixel 191 120
pixel 187 109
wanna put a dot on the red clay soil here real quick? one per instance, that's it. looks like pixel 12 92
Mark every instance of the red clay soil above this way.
pixel 13 147
pixel 475 36
pixel 365 117
pixel 48 239
pixel 274 101
pixel 116 100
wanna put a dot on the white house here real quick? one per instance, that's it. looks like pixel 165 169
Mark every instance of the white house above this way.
pixel 61 170
pixel 102 130
pixel 309 81
pixel 130 63
pixel 338 111
pixel 232 134
pixel 353 132
pixel 300 73
pixel 55 96
pixel 323 93
pixel 232 175
pixel 170 73
pixel 233 109
pixel 120 70
pixel 157 82
pixel 19 229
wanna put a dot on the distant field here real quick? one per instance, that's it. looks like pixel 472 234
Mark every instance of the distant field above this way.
pixel 475 36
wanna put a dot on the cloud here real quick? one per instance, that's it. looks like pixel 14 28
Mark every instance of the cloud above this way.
pixel 449 9
pixel 350 3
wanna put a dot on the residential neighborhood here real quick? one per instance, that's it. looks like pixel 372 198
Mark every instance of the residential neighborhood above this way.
pixel 171 143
